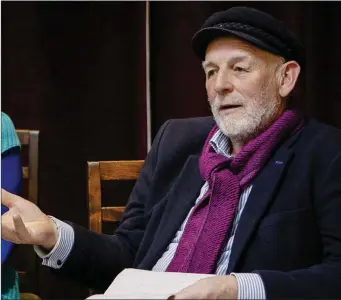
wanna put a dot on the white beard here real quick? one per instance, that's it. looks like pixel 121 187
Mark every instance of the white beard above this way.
pixel 248 121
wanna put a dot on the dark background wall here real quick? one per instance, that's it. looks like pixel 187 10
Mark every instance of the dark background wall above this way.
pixel 76 72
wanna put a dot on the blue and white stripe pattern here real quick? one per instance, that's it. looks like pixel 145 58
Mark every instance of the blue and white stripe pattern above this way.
pixel 250 285
pixel 57 256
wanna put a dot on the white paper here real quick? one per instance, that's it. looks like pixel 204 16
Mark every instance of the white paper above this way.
pixel 141 284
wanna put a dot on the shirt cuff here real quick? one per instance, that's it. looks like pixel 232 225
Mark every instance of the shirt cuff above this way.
pixel 250 286
pixel 60 252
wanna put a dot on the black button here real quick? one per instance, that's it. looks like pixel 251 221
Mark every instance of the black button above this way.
pixel 59 262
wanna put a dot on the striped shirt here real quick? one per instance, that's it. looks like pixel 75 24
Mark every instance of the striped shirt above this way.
pixel 250 285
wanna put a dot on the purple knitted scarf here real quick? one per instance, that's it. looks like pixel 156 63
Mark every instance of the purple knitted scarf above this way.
pixel 212 218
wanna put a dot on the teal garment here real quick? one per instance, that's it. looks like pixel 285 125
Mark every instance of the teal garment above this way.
pixel 9 138
pixel 9 283
pixel 9 277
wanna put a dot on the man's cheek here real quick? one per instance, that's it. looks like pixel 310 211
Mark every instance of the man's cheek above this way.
pixel 211 93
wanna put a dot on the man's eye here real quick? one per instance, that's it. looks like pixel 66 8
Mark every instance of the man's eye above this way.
pixel 239 69
pixel 210 73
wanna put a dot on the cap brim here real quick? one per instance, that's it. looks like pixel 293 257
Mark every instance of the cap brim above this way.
pixel 204 36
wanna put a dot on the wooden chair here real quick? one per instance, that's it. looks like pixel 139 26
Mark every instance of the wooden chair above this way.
pixel 30 138
pixel 99 171
pixel 107 170
pixel 25 259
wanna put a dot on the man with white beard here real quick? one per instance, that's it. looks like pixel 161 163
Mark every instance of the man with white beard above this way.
pixel 253 195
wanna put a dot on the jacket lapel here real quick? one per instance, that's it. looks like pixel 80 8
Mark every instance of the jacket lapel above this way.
pixel 180 200
pixel 260 198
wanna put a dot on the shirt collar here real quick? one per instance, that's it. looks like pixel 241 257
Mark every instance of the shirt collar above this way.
pixel 221 144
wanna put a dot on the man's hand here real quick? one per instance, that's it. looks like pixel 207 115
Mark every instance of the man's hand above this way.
pixel 25 223
pixel 217 287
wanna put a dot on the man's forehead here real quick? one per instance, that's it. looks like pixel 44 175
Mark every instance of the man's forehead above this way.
pixel 233 58
pixel 233 49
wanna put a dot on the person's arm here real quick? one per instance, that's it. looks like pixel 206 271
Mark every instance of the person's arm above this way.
pixel 250 286
pixel 56 257
pixel 11 180
pixel 95 259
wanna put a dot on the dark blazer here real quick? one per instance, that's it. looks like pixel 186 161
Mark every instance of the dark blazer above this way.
pixel 289 232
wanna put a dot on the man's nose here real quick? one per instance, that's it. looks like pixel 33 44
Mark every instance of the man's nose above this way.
pixel 223 84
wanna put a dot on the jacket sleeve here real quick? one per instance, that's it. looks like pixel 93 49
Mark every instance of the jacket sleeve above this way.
pixel 96 259
pixel 322 280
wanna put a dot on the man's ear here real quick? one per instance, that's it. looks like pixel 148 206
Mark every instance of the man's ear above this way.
pixel 288 77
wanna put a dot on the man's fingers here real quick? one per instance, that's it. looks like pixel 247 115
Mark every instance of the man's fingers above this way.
pixel 181 295
pixel 186 293
pixel 8 199
pixel 22 233
pixel 7 228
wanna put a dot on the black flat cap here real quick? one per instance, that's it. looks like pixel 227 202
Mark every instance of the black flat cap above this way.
pixel 253 26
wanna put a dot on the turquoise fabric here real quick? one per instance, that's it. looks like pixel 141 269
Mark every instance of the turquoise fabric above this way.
pixel 9 277
pixel 9 138
pixel 9 284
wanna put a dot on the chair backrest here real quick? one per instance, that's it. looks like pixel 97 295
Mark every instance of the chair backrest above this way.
pixel 107 170
pixel 30 138
pixel 24 259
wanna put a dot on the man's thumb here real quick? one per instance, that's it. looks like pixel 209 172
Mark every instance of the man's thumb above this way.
pixel 21 230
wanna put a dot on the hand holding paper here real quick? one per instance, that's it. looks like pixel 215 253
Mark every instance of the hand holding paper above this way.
pixel 141 284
